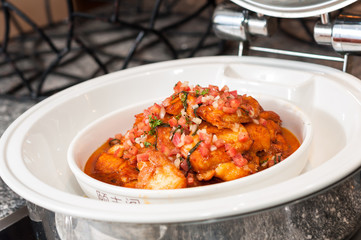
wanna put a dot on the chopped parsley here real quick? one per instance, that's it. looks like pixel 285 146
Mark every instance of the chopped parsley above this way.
pixel 183 98
pixel 204 92
pixel 154 122
pixel 147 144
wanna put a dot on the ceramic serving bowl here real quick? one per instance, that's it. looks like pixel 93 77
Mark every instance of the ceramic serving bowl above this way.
pixel 96 133
pixel 33 150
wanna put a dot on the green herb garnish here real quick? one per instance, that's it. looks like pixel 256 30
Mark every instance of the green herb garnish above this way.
pixel 114 142
pixel 154 122
pixel 184 97
pixel 190 152
pixel 204 92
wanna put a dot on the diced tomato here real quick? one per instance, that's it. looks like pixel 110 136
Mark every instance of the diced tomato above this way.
pixel 177 139
pixel 173 122
pixel 234 93
pixel 204 151
pixel 213 90
pixel 205 137
pixel 239 160
pixel 127 145
pixel 174 151
pixel 131 136
pixel 225 88
pixel 133 150
pixel 142 157
pixel 182 121
pixel 179 87
pixel 146 127
pixel 199 100
pixel 231 151
pixel 219 143
pixel 234 103
pixel 226 95
pixel 155 109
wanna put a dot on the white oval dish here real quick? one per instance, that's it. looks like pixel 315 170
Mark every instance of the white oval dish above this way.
pixel 33 150
pixel 95 134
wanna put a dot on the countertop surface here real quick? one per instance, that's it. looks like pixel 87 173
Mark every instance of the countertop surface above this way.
pixel 10 109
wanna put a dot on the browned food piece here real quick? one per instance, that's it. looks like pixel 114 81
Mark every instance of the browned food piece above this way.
pixel 229 171
pixel 270 115
pixel 159 173
pixel 116 170
pixel 231 137
pixel 221 119
pixel 260 136
pixel 251 106
pixel 202 164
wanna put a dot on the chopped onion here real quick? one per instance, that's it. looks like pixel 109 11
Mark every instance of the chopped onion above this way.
pixel 197 120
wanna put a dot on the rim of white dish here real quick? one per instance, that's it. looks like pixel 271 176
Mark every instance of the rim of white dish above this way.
pixel 55 200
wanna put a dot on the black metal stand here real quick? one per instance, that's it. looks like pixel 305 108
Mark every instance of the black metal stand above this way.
pixel 145 34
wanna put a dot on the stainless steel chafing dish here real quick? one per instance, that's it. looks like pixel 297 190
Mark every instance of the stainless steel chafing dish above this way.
pixel 258 17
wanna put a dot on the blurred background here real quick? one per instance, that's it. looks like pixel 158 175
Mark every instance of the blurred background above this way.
pixel 49 45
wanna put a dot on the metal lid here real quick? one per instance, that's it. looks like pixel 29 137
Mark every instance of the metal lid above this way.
pixel 293 8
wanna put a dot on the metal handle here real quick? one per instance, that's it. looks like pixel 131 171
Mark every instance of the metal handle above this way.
pixel 234 24
pixel 344 35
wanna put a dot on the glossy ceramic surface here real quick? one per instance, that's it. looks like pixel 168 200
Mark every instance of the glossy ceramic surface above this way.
pixel 33 149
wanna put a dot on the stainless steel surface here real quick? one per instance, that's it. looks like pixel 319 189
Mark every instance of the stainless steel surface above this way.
pixel 13 218
pixel 229 23
pixel 323 33
pixel 235 24
pixel 293 8
pixel 344 34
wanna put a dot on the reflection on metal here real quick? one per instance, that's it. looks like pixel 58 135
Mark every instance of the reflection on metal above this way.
pixel 235 24
pixel 293 8
pixel 344 34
